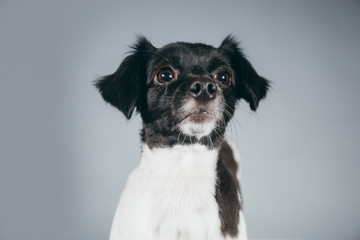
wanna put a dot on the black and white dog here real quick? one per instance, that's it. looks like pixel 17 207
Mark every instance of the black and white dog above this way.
pixel 185 186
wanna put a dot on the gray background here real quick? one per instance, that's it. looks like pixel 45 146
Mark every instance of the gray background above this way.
pixel 65 154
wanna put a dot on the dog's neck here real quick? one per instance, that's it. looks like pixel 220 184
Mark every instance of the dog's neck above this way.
pixel 179 154
pixel 154 138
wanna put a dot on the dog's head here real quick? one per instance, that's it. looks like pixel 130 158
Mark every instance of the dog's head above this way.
pixel 183 90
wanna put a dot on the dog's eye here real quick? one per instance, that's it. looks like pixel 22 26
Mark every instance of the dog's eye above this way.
pixel 223 77
pixel 165 75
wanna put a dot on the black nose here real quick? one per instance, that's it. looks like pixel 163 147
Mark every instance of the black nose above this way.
pixel 203 90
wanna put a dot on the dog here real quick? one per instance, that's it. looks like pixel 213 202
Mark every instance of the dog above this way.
pixel 185 186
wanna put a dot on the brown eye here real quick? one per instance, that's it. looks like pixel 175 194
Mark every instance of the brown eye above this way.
pixel 223 77
pixel 165 75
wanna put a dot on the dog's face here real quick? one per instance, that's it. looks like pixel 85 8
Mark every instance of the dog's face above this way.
pixel 183 89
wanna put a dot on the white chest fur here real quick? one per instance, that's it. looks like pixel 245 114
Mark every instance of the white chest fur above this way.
pixel 170 195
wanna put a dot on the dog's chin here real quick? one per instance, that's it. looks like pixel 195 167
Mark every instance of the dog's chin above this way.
pixel 198 125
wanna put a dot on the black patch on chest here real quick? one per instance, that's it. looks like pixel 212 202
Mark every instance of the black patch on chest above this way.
pixel 227 191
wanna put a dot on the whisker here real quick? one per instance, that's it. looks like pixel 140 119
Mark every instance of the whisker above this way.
pixel 218 134
pixel 178 138
pixel 184 140
pixel 210 141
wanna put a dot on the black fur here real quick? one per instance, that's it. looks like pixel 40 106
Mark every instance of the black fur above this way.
pixel 123 89
pixel 227 191
pixel 249 85
pixel 134 86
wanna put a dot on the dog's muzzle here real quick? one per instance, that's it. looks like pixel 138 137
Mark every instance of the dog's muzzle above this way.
pixel 201 108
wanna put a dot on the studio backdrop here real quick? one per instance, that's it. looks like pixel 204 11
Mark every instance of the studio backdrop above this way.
pixel 66 155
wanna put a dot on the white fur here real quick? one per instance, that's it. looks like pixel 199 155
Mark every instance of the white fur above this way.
pixel 200 130
pixel 170 195
pixel 197 129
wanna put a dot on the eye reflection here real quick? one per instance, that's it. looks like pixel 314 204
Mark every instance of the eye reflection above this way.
pixel 165 75
pixel 223 77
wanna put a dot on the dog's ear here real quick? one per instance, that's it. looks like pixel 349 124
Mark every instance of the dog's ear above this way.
pixel 122 89
pixel 248 84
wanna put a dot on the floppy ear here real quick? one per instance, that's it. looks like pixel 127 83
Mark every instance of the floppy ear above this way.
pixel 122 89
pixel 248 84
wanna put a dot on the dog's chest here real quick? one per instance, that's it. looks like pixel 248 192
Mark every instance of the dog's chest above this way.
pixel 170 196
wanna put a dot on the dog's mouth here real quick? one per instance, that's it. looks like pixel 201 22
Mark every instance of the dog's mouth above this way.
pixel 199 119
pixel 200 115
pixel 199 122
